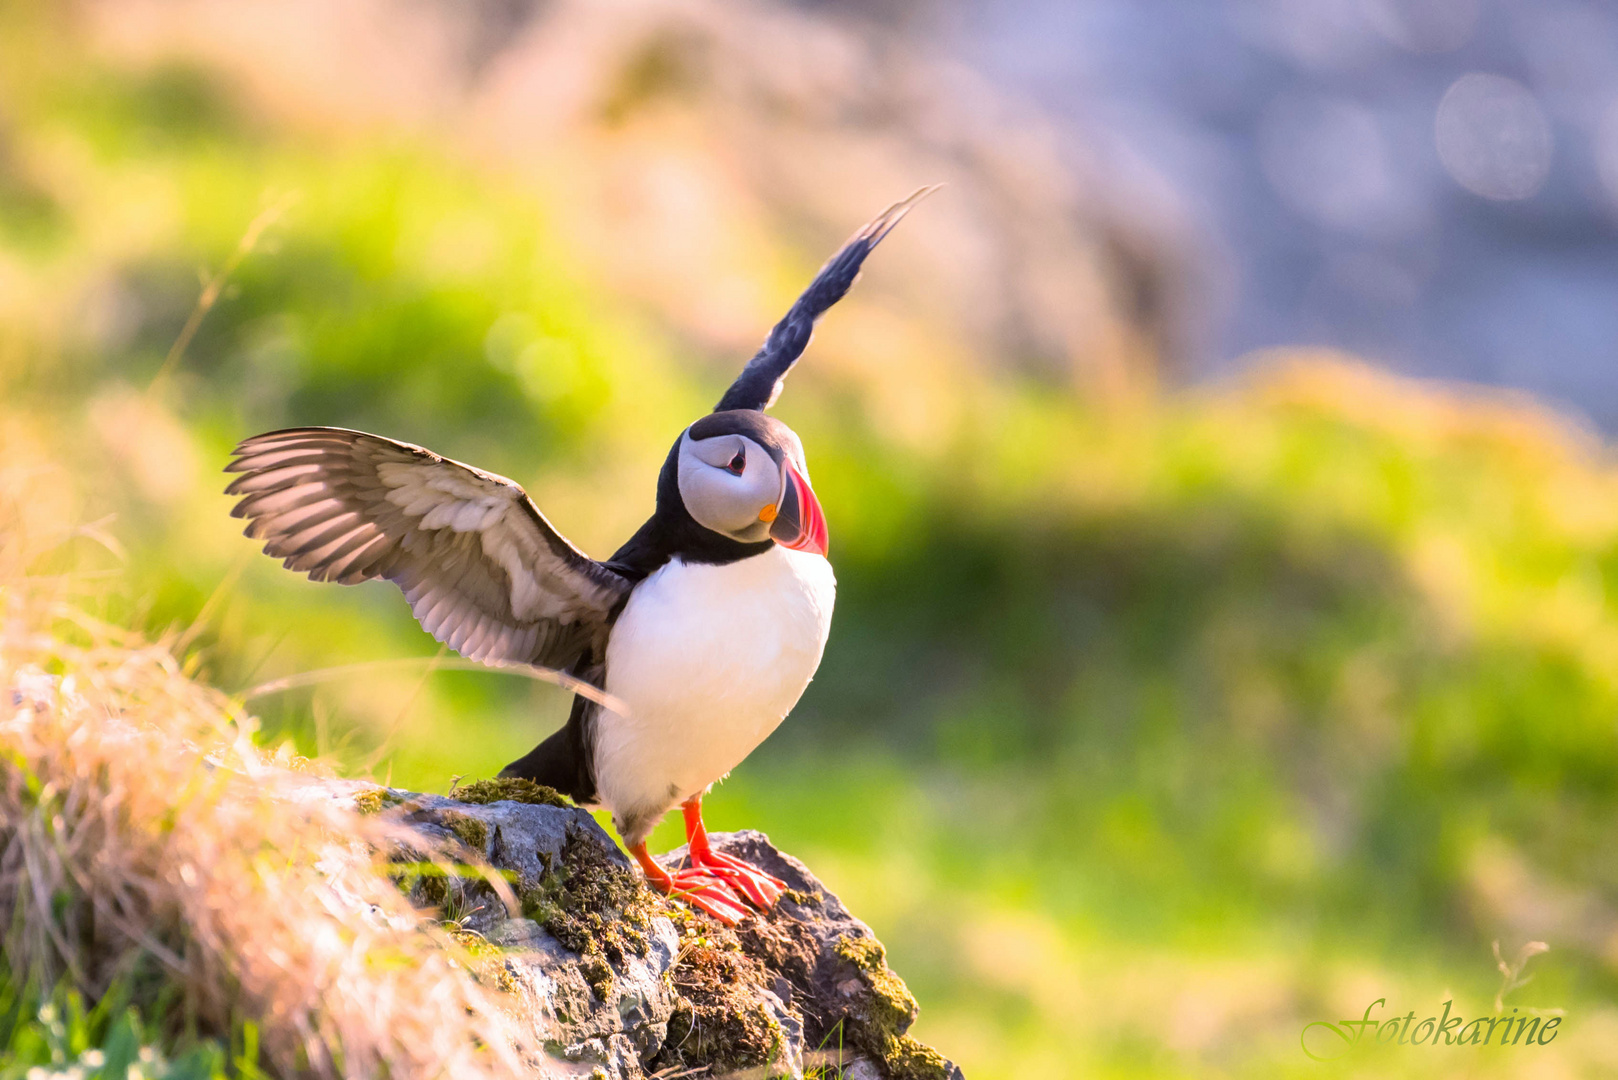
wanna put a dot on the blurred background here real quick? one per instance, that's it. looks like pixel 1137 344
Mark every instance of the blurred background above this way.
pixel 1215 652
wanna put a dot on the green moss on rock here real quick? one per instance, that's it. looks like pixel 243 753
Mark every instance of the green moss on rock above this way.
pixel 376 800
pixel 427 884
pixel 471 831
pixel 719 1022
pixel 479 948
pixel 909 1059
pixel 595 907
pixel 508 789
pixel 893 1010
pixel 435 890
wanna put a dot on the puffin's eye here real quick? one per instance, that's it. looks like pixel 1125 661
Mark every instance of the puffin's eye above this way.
pixel 738 463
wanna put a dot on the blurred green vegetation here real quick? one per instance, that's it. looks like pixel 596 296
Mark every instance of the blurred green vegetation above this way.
pixel 1147 733
pixel 57 1036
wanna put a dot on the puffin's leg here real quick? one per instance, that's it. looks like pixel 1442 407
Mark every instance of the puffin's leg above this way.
pixel 759 887
pixel 695 886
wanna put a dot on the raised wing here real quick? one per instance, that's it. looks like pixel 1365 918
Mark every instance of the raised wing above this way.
pixel 483 570
pixel 760 381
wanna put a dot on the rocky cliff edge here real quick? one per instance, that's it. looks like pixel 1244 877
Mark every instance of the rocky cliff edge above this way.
pixel 617 982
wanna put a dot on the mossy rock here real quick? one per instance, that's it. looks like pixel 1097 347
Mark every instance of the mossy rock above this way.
pixel 719 1021
pixel 726 1018
pixel 594 906
pixel 631 983
pixel 890 1011
pixel 471 831
pixel 840 990
pixel 507 789
pixel 375 800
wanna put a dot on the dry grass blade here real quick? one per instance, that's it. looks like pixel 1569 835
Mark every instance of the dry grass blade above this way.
pixel 137 818
pixel 213 286
pixel 441 663
pixel 1511 973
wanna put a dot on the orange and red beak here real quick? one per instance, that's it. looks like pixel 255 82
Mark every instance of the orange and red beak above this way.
pixel 799 522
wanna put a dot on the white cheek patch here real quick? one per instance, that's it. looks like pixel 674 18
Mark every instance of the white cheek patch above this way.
pixel 720 500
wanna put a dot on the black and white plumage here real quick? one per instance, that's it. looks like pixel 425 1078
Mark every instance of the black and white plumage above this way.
pixel 704 628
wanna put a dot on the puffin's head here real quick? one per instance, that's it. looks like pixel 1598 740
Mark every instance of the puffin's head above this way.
pixel 742 475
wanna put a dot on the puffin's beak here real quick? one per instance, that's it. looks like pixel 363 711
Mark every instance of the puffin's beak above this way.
pixel 799 522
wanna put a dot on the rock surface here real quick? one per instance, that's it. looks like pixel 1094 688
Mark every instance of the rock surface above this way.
pixel 616 982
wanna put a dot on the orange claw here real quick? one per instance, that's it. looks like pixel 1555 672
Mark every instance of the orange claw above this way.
pixel 695 886
pixel 761 888
pixel 714 878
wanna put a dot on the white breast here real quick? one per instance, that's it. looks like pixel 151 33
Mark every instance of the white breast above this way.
pixel 707 661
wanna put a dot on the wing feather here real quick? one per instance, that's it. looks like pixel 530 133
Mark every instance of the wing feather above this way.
pixel 760 381
pixel 276 502
pixel 277 522
pixel 274 478
pixel 482 569
pixel 360 565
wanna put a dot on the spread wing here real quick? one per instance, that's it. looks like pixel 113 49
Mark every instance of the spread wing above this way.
pixel 760 381
pixel 483 570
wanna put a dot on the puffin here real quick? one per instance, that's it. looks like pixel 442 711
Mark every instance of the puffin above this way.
pixel 700 633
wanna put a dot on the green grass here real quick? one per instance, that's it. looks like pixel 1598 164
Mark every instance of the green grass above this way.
pixel 58 1036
